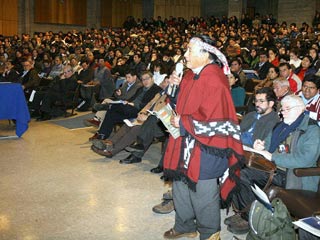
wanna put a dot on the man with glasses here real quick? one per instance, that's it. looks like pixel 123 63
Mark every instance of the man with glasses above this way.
pixel 293 143
pixel 57 93
pixel 126 110
pixel 258 124
pixel 310 96
pixel 29 77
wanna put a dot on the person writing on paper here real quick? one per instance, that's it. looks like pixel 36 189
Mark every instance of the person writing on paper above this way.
pixel 209 142
pixel 294 143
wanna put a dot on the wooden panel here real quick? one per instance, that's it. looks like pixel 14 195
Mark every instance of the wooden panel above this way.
pixel 115 12
pixel 106 13
pixel 10 28
pixel 72 12
pixel 177 8
pixel 9 10
pixel 8 17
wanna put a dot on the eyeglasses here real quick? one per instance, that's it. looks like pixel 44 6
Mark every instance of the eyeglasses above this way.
pixel 145 79
pixel 259 101
pixel 287 109
pixel 307 87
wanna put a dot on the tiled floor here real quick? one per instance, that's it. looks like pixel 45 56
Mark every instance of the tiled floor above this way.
pixel 53 187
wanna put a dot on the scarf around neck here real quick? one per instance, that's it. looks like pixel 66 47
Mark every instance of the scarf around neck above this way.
pixel 282 131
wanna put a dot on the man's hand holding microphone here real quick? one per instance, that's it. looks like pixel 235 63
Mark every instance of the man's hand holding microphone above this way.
pixel 174 82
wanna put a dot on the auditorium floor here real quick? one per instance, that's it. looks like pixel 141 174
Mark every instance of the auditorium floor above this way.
pixel 52 186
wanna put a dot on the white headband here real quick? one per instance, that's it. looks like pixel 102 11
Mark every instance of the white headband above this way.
pixel 215 51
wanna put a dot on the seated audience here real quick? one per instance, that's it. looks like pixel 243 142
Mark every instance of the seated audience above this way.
pixel 273 74
pixel 259 123
pixel 305 68
pixel 295 61
pixel 146 128
pixel 313 52
pixel 127 92
pixel 126 110
pixel 236 67
pixel 29 77
pixel 294 143
pixel 57 68
pixel 287 73
pixel 10 74
pixel 102 80
pixel 274 56
pixel 57 93
pixel 311 97
pixel 237 92
pixel 262 67
pixel 281 88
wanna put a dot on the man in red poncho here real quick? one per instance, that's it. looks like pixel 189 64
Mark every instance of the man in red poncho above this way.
pixel 209 143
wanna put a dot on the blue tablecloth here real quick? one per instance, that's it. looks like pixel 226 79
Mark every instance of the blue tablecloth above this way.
pixel 13 105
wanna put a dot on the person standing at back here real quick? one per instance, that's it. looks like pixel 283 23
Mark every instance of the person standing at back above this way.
pixel 208 145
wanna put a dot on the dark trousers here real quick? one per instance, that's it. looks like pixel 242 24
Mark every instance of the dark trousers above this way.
pixel 124 137
pixel 49 101
pixel 249 177
pixel 150 129
pixel 116 114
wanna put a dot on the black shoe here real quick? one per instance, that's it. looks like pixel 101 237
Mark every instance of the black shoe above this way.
pixel 130 159
pixel 157 169
pixel 35 114
pixel 164 178
pixel 44 117
pixel 136 147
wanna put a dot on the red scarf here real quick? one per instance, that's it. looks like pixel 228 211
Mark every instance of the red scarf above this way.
pixel 202 99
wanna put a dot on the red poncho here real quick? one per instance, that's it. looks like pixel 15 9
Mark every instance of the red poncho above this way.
pixel 208 114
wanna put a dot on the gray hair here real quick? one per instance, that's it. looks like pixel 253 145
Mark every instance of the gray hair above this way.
pixel 282 82
pixel 294 101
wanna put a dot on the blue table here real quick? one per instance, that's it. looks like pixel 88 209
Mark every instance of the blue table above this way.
pixel 13 105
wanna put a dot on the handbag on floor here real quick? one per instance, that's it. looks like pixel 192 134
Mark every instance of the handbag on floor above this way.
pixel 270 223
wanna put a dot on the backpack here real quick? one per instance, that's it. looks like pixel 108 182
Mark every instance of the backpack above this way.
pixel 268 225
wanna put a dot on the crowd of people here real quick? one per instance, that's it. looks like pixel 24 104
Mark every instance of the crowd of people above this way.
pixel 128 73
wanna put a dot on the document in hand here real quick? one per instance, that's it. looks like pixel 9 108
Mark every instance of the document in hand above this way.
pixel 117 102
pixel 132 122
pixel 309 224
pixel 164 114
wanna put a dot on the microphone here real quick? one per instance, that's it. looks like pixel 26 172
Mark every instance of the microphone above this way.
pixel 179 72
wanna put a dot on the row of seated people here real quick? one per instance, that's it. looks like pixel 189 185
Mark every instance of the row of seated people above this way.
pixel 294 74
pixel 292 142
pixel 261 129
pixel 98 80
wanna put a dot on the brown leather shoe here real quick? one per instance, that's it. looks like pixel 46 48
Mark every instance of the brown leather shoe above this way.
pixel 92 122
pixel 164 207
pixel 240 227
pixel 95 136
pixel 104 153
pixel 232 219
pixel 172 234
pixel 105 144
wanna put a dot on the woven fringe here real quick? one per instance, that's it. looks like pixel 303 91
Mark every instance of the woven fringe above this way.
pixel 178 176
